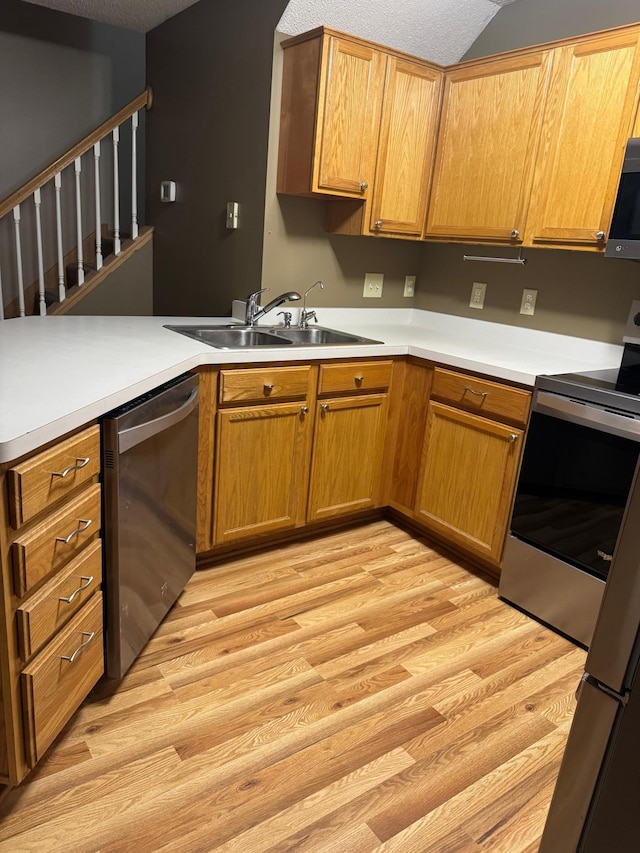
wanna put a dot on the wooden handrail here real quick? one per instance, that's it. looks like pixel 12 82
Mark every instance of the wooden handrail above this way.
pixel 143 100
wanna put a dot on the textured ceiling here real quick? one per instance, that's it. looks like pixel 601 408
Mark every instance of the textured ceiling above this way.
pixel 439 30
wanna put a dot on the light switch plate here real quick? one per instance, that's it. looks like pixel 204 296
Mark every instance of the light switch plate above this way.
pixel 373 284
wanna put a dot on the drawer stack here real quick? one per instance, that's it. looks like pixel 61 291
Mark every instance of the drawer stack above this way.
pixel 52 574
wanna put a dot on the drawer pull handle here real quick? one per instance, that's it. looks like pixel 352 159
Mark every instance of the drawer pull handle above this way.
pixel 482 394
pixel 87 583
pixel 268 387
pixel 79 463
pixel 324 407
pixel 82 526
pixel 359 380
pixel 89 635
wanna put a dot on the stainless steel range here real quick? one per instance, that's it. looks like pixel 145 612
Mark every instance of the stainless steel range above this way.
pixel 578 468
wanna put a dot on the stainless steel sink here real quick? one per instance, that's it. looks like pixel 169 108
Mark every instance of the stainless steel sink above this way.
pixel 319 336
pixel 230 337
pixel 233 337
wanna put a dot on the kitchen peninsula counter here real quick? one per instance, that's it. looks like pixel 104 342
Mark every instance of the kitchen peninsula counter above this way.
pixel 58 373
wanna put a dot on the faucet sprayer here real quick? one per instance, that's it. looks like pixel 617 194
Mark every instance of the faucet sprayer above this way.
pixel 253 312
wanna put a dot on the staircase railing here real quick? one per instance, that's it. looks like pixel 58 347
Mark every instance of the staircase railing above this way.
pixel 15 204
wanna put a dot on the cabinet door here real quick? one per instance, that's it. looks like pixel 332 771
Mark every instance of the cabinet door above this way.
pixel 467 479
pixel 486 146
pixel 346 470
pixel 588 118
pixel 348 118
pixel 261 473
pixel 405 150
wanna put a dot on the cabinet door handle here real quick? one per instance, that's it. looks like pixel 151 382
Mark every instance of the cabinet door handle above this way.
pixel 304 410
pixel 513 438
pixel 89 635
pixel 87 583
pixel 482 394
pixel 363 186
pixel 600 235
pixel 324 407
pixel 378 223
pixel 515 234
pixel 79 463
pixel 83 524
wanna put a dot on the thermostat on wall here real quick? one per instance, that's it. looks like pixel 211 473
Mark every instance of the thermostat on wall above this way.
pixel 167 191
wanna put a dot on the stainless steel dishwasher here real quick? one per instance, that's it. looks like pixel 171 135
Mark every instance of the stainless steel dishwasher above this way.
pixel 150 455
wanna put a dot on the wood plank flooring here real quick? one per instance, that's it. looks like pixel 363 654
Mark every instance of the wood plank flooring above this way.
pixel 358 692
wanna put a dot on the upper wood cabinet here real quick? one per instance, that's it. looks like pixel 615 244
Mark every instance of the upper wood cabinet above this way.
pixel 489 129
pixel 588 118
pixel 358 125
pixel 405 149
pixel 330 114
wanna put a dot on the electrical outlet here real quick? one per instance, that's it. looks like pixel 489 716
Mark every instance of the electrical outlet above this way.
pixel 478 290
pixel 409 285
pixel 373 284
pixel 528 304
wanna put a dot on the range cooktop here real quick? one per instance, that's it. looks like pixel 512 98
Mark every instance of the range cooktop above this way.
pixel 615 388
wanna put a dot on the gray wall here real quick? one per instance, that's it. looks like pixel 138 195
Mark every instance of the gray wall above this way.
pixel 210 70
pixel 61 76
pixel 578 293
pixel 528 22
pixel 127 291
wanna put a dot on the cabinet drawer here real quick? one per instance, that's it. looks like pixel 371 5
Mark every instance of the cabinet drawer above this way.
pixel 54 604
pixel 56 540
pixel 61 676
pixel 355 376
pixel 263 383
pixel 45 478
pixel 481 396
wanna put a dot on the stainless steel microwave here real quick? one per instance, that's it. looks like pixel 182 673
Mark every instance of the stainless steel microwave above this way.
pixel 624 235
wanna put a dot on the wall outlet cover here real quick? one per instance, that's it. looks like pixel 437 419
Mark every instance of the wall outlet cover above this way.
pixel 478 290
pixel 409 285
pixel 528 303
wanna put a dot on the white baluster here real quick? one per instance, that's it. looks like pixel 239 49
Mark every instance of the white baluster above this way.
pixel 16 223
pixel 37 200
pixel 78 170
pixel 1 298
pixel 134 177
pixel 96 173
pixel 116 192
pixel 62 291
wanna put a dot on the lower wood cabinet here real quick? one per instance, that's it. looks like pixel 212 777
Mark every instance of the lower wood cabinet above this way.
pixel 346 470
pixel 55 683
pixel 262 470
pixel 467 479
pixel 51 641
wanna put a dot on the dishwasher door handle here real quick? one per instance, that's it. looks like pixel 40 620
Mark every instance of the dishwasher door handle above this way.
pixel 129 438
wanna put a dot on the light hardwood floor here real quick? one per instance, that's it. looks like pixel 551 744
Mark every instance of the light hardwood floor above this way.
pixel 357 692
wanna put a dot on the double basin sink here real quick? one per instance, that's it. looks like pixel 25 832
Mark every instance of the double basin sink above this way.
pixel 234 336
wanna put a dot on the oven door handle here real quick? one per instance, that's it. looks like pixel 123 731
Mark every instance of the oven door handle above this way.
pixel 586 415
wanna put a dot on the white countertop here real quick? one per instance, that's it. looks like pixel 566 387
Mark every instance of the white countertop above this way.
pixel 58 373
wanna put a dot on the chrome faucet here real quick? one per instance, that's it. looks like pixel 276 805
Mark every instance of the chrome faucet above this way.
pixel 254 312
pixel 305 315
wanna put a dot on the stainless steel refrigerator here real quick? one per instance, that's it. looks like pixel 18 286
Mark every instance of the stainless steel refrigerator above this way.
pixel 596 803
